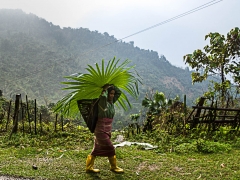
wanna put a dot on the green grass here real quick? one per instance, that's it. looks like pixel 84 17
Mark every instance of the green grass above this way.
pixel 63 156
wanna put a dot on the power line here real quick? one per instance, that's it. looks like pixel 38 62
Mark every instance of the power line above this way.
pixel 210 3
pixel 164 22
pixel 176 17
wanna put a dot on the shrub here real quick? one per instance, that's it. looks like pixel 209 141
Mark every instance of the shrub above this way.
pixel 211 147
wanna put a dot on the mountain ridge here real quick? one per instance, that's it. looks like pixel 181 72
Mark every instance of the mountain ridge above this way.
pixel 35 55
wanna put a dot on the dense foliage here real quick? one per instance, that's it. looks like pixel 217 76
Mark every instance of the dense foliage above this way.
pixel 219 59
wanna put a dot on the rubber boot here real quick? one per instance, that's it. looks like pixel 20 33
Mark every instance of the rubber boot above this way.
pixel 90 163
pixel 113 162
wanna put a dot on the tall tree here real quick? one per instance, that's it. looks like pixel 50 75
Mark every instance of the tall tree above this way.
pixel 219 58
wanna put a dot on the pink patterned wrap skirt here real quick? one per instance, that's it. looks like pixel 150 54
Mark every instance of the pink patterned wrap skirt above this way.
pixel 102 143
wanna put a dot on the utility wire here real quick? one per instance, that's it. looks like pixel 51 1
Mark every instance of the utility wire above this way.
pixel 176 17
pixel 210 3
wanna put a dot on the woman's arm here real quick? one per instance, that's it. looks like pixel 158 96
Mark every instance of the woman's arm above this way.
pixel 103 100
pixel 117 94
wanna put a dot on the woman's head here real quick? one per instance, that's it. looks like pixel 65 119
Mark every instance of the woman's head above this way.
pixel 111 93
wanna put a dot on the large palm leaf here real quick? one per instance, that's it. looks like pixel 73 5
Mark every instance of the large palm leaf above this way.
pixel 89 85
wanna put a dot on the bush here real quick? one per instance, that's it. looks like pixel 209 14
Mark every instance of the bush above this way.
pixel 211 147
pixel 185 148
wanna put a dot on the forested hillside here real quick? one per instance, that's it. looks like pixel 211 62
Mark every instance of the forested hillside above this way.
pixel 35 55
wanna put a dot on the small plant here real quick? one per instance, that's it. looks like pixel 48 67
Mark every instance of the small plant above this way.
pixel 205 146
pixel 134 127
pixel 160 110
pixel 185 148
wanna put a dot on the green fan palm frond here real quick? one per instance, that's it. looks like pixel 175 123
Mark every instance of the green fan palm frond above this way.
pixel 89 85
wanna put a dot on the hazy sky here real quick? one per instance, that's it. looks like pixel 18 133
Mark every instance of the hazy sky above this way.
pixel 126 17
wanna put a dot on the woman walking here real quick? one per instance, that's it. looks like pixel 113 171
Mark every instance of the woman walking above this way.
pixel 87 87
pixel 102 143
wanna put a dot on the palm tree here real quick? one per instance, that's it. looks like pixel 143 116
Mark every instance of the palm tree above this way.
pixel 90 85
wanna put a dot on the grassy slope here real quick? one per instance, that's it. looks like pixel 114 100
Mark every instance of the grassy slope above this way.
pixel 63 156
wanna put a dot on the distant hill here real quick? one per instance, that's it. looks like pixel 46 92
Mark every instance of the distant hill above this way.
pixel 35 55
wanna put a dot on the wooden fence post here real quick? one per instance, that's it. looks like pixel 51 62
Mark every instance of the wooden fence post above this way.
pixel 41 122
pixel 185 112
pixel 35 116
pixel 62 121
pixel 55 124
pixel 16 112
pixel 22 110
pixel 9 111
pixel 29 122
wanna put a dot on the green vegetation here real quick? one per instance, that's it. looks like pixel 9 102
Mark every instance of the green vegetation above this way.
pixel 35 55
pixel 45 146
pixel 220 59
pixel 180 153
pixel 62 155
